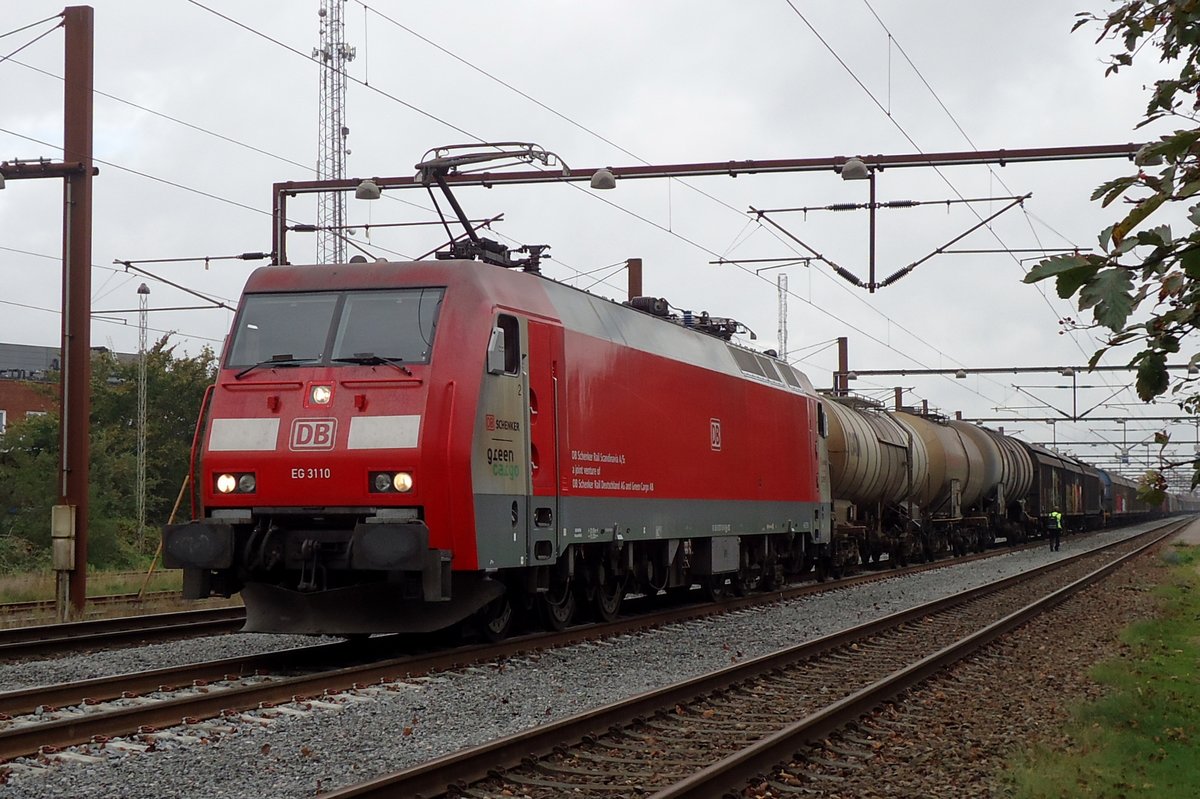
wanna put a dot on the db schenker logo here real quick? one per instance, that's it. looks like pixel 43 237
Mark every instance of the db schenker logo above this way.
pixel 312 434
pixel 489 422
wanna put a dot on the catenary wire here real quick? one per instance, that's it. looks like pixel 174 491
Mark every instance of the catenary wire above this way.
pixel 911 141
pixel 622 149
pixel 31 25
pixel 208 131
pixel 899 127
pixel 427 114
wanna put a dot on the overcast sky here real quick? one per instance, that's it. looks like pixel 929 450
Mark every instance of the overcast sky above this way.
pixel 199 116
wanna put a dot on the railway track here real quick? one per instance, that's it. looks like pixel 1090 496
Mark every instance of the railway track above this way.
pixel 25 606
pixel 32 606
pixel 707 737
pixel 52 717
pixel 40 640
pixel 44 640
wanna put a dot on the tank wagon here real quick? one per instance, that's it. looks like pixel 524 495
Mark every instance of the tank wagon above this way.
pixel 915 485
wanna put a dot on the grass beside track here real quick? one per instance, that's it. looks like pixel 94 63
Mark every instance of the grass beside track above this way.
pixel 1141 739
pixel 39 586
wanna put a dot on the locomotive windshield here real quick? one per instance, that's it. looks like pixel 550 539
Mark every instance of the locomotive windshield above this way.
pixel 336 327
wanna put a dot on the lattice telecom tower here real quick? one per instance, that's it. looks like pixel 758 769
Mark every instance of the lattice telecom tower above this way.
pixel 332 56
pixel 143 300
pixel 781 283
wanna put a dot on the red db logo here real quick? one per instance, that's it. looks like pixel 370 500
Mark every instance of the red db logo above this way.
pixel 714 433
pixel 310 434
pixel 489 421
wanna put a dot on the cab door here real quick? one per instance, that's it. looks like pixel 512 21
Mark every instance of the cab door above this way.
pixel 546 396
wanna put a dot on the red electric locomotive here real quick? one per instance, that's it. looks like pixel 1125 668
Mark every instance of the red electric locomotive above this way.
pixel 400 446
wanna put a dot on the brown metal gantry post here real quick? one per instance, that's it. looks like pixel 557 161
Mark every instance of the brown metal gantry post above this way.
pixel 77 285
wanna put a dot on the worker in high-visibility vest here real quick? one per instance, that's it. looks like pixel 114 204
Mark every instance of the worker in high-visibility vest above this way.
pixel 1054 527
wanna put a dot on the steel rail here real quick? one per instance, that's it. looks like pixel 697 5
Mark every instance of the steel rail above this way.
pixel 717 780
pixel 47 638
pixel 454 771
pixel 24 606
pixel 100 689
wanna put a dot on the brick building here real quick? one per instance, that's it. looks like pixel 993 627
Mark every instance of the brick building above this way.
pixel 27 375
pixel 21 398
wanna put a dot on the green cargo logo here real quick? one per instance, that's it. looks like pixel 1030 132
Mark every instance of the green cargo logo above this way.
pixel 503 463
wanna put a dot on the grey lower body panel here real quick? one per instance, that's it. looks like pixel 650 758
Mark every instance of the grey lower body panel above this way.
pixel 584 520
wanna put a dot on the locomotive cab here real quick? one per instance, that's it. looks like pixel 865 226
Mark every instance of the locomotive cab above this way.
pixel 326 442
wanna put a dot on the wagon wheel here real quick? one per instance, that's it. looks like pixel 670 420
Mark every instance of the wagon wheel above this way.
pixel 557 606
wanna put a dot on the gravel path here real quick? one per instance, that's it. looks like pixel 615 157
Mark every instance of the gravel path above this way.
pixel 299 755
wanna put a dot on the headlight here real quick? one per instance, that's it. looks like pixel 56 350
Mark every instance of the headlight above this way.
pixel 239 483
pixel 387 482
pixel 321 394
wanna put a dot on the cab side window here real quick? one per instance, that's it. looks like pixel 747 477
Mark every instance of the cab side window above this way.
pixel 511 332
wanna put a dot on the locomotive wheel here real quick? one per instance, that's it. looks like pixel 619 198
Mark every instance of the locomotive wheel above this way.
pixel 747 580
pixel 821 567
pixel 654 578
pixel 607 598
pixel 714 587
pixel 557 606
pixel 808 562
pixel 495 620
pixel 772 576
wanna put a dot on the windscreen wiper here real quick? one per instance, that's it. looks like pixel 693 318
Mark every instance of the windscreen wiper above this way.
pixel 372 358
pixel 275 360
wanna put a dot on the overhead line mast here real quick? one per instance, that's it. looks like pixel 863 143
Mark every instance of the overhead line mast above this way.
pixel 332 55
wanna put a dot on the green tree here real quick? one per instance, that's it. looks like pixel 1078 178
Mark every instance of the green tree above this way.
pixel 1143 286
pixel 175 387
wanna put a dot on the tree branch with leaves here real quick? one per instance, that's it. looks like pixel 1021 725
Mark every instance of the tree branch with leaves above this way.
pixel 1143 286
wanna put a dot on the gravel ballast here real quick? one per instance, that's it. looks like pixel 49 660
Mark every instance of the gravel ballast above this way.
pixel 387 729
